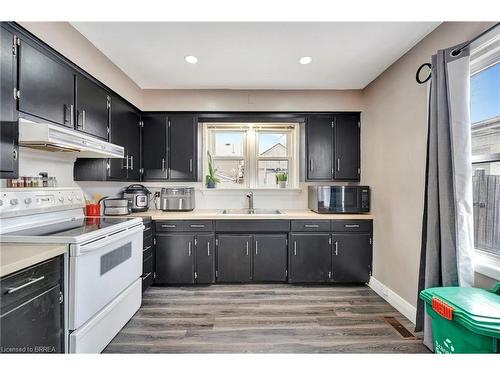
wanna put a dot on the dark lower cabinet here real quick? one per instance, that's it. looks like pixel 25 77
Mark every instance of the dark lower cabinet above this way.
pixel 310 257
pixel 270 257
pixel 92 108
pixel 205 258
pixel 46 85
pixel 175 258
pixel 234 261
pixel 148 254
pixel 32 309
pixel 352 257
pixel 9 129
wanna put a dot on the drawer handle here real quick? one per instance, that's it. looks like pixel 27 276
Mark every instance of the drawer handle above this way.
pixel 352 225
pixel 197 225
pixel 168 226
pixel 311 225
pixel 31 282
pixel 146 229
pixel 146 248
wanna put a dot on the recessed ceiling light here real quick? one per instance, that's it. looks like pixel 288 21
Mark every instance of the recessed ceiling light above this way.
pixel 191 59
pixel 305 60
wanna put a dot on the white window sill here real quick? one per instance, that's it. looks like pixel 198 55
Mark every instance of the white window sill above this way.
pixel 487 264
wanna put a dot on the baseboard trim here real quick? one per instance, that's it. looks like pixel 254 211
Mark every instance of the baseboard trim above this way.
pixel 394 299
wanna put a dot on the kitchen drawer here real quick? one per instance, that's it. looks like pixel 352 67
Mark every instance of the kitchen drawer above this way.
pixel 351 225
pixel 28 281
pixel 147 281
pixel 148 228
pixel 147 265
pixel 147 251
pixel 185 226
pixel 147 242
pixel 310 225
pixel 252 226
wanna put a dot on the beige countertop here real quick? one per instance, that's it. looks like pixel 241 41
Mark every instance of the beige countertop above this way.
pixel 217 215
pixel 16 256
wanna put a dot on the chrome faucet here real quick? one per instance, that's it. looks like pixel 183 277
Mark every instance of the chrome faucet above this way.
pixel 250 201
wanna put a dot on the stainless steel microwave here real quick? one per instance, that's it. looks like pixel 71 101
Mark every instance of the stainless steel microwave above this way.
pixel 339 199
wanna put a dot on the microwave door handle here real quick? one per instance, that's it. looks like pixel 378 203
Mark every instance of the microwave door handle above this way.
pixel 99 244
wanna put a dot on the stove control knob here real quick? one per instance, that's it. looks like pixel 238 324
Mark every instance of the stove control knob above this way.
pixel 27 200
pixel 78 198
pixel 61 198
pixel 70 198
pixel 1 203
pixel 14 202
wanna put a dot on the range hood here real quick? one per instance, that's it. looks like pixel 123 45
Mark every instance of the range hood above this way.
pixel 54 138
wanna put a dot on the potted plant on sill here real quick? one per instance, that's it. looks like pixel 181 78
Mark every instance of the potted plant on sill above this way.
pixel 211 179
pixel 281 179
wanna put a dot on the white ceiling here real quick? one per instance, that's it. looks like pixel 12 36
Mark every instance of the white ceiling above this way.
pixel 235 55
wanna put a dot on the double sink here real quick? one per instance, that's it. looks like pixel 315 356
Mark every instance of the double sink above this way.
pixel 254 211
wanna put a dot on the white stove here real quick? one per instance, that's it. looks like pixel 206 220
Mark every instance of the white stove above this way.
pixel 105 258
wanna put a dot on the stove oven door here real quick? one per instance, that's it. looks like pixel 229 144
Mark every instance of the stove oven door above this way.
pixel 103 270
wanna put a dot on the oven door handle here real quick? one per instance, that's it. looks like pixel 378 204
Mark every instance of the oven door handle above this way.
pixel 111 238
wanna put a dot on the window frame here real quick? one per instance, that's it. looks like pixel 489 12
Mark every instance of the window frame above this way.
pixel 485 54
pixel 251 155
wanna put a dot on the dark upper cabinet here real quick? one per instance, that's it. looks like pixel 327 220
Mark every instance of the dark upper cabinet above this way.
pixel 205 258
pixel 319 148
pixel 347 147
pixel 352 257
pixel 9 129
pixel 92 108
pixel 234 259
pixel 175 259
pixel 46 86
pixel 310 257
pixel 155 146
pixel 183 144
pixel 270 257
pixel 125 131
pixel 333 147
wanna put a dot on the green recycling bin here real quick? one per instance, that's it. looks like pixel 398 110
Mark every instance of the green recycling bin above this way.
pixel 464 320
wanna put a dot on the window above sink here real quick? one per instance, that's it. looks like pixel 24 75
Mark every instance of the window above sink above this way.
pixel 250 156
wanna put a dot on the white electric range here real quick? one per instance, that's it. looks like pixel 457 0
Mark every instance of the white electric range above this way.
pixel 105 259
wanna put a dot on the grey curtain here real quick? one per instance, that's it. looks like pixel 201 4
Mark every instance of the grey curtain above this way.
pixel 447 228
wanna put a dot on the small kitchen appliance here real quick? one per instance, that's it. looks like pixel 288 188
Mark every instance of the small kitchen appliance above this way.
pixel 116 206
pixel 138 197
pixel 339 199
pixel 177 198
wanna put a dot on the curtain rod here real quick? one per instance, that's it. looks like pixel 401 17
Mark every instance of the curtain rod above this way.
pixel 455 52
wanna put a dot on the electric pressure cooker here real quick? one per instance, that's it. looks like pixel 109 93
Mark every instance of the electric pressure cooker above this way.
pixel 138 197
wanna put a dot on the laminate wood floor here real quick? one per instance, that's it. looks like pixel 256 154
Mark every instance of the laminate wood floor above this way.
pixel 263 318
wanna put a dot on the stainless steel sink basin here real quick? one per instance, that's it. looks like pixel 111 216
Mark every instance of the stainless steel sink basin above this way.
pixel 256 211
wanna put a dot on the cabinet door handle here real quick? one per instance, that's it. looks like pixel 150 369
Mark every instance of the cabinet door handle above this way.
pixel 65 113
pixel 256 247
pixel 351 226
pixel 338 164
pixel 71 115
pixel 208 248
pixel 126 161
pixel 189 248
pixel 247 247
pixel 295 248
pixel 311 226
pixel 311 165
pixel 132 162
pixel 163 164
pixel 190 165
pixel 83 119
pixel 30 282
pixel 336 248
